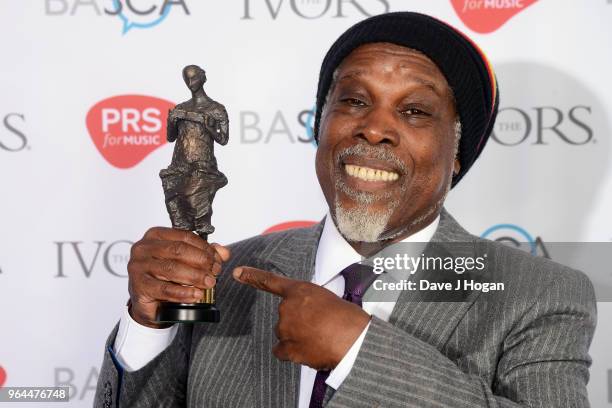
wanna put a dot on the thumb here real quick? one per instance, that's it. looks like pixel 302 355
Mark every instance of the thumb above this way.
pixel 223 252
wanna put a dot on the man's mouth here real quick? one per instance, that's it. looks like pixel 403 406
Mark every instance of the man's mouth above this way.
pixel 370 174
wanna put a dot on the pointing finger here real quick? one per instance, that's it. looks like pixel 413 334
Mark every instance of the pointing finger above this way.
pixel 264 280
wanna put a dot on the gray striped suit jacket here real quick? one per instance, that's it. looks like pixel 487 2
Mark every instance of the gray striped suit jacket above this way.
pixel 525 347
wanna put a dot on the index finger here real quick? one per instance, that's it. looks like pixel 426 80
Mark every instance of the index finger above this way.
pixel 264 280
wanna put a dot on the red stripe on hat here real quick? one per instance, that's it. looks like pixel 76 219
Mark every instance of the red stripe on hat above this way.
pixel 483 56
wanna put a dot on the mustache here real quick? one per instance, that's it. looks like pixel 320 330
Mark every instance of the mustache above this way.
pixel 373 152
pixel 369 152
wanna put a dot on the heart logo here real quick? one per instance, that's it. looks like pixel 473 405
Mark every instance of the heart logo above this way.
pixel 486 16
pixel 2 376
pixel 127 128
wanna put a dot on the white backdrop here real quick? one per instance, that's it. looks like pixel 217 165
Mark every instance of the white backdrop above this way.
pixel 69 209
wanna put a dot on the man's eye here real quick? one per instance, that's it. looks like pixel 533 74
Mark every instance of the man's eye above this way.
pixel 353 102
pixel 414 111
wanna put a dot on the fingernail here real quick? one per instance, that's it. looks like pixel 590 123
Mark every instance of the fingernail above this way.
pixel 209 281
pixel 237 273
pixel 199 294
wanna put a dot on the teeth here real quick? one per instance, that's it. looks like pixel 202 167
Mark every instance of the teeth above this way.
pixel 368 174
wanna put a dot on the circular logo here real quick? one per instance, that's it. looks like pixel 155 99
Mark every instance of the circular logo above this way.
pixel 511 234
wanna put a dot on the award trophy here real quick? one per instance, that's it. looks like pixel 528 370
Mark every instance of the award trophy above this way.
pixel 192 179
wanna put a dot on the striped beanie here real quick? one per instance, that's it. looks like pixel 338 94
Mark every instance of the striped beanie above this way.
pixel 461 61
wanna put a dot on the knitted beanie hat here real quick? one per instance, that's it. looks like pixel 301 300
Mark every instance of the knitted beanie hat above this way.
pixel 463 64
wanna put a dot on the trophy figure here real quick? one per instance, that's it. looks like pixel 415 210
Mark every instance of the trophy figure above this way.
pixel 192 179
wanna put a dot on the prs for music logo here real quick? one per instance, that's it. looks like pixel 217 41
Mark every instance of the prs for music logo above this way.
pixel 486 16
pixel 127 128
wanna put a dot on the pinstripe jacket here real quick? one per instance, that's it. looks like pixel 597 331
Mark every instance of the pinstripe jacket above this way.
pixel 525 347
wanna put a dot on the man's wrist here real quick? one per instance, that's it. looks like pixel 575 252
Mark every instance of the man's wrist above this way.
pixel 143 322
pixel 344 367
pixel 136 345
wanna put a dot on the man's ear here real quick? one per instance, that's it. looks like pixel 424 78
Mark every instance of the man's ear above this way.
pixel 456 167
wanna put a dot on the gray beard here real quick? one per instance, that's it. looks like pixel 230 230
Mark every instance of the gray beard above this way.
pixel 359 223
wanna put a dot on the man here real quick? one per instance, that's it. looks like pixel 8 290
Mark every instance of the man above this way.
pixel 405 104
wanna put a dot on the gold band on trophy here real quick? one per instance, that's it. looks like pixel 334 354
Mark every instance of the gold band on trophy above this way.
pixel 209 296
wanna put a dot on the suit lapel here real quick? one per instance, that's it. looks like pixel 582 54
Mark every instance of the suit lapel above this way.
pixel 433 316
pixel 292 255
pixel 431 320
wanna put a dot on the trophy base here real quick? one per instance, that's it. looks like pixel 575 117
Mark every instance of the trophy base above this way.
pixel 169 312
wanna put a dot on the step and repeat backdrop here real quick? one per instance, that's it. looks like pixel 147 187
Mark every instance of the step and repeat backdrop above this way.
pixel 85 88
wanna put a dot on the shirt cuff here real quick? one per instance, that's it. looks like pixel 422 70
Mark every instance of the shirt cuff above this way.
pixel 136 345
pixel 342 370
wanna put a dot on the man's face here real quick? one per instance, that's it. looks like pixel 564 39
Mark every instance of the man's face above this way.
pixel 386 150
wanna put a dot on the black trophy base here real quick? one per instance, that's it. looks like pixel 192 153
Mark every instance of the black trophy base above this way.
pixel 169 312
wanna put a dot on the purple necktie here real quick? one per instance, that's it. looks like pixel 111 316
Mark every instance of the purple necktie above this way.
pixel 357 279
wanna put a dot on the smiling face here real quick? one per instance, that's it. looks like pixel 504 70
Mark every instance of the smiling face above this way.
pixel 387 143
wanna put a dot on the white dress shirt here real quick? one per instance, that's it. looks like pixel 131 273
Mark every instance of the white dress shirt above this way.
pixel 136 345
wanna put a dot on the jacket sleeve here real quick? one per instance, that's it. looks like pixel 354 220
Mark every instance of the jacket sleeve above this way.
pixel 162 382
pixel 543 361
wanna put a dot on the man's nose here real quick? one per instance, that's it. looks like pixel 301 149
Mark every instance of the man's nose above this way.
pixel 379 126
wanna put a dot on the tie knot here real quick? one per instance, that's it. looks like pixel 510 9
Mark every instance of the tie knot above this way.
pixel 357 279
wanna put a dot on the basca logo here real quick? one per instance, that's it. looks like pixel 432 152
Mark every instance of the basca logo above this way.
pixel 312 9
pixel 541 124
pixel 12 137
pixel 78 387
pixel 288 225
pixel 132 14
pixel 257 128
pixel 127 128
pixel 486 16
pixel 112 257
pixel 518 237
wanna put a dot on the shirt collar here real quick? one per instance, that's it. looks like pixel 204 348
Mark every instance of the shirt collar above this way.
pixel 334 253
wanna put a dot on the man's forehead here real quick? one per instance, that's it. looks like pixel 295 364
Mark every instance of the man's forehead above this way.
pixel 404 57
pixel 363 60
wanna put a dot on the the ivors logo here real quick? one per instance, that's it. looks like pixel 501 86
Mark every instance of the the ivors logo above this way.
pixel 126 128
pixel 486 16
